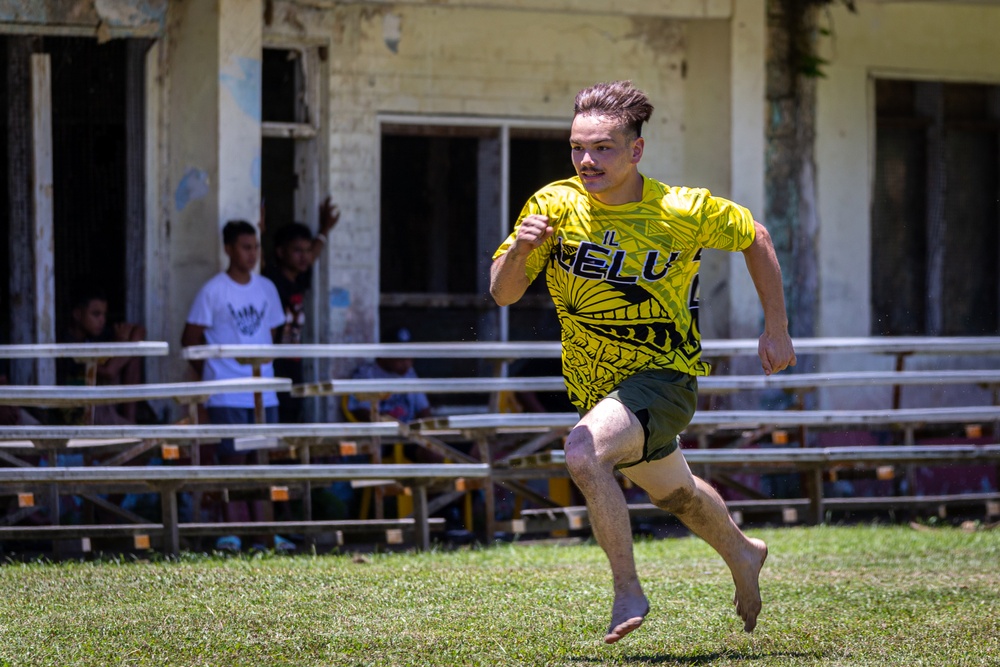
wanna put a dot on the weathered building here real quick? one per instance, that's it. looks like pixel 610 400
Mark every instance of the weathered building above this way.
pixel 429 122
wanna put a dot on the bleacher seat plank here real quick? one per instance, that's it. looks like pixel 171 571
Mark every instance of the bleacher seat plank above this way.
pixel 429 386
pixel 54 396
pixel 265 474
pixel 306 527
pixel 84 350
pixel 185 432
pixel 730 419
pixel 786 381
pixel 509 350
pixel 747 457
pixel 709 385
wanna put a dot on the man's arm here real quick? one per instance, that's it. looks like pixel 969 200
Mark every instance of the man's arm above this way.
pixel 124 332
pixel 775 345
pixel 194 334
pixel 508 275
pixel 329 214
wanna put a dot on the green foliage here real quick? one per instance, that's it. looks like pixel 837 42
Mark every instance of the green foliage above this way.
pixel 832 595
pixel 801 27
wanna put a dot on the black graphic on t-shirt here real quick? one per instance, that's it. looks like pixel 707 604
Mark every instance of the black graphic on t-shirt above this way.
pixel 248 318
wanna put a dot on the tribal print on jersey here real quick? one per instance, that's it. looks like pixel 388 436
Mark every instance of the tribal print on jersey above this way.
pixel 624 279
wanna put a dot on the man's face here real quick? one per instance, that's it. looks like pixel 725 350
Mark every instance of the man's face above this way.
pixel 393 365
pixel 605 158
pixel 92 317
pixel 296 255
pixel 243 252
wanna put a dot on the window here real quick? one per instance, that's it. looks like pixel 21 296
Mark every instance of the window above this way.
pixel 289 127
pixel 450 192
pixel 935 212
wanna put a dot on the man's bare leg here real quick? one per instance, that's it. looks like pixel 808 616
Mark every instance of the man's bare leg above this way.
pixel 605 436
pixel 673 488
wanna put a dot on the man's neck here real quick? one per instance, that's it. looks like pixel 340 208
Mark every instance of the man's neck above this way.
pixel 238 275
pixel 288 272
pixel 76 334
pixel 629 194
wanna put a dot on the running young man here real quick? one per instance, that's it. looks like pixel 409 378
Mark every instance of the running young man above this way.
pixel 620 253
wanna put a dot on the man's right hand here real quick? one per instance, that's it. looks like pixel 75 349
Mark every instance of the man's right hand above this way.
pixel 532 232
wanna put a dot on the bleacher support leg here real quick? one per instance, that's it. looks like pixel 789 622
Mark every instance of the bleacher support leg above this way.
pixel 816 512
pixel 421 527
pixel 168 508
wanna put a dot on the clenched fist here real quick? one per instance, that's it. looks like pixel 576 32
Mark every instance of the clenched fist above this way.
pixel 533 231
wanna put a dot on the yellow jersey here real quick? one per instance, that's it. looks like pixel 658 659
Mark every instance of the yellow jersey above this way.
pixel 624 279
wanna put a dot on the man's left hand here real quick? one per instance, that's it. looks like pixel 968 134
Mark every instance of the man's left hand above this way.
pixel 775 351
pixel 329 214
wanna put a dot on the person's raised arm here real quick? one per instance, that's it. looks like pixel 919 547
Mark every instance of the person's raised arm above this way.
pixel 508 277
pixel 329 214
pixel 194 334
pixel 775 345
pixel 124 332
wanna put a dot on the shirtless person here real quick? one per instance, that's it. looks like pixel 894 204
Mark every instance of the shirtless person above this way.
pixel 620 253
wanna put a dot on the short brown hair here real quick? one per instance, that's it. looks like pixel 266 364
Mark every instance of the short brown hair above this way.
pixel 618 100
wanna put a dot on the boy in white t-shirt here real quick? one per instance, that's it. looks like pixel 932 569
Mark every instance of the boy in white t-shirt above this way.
pixel 235 307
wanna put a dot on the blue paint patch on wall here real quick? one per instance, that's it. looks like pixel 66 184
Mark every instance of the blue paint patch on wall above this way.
pixel 245 89
pixel 255 172
pixel 193 186
pixel 340 298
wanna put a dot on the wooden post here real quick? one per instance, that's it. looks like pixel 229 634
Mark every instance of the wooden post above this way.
pixel 21 231
pixel 135 179
pixel 42 189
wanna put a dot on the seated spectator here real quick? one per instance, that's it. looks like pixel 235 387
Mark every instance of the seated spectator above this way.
pixel 12 415
pixel 296 250
pixel 394 407
pixel 89 324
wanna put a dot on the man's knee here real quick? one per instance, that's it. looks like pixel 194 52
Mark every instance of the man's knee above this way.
pixel 581 454
pixel 679 499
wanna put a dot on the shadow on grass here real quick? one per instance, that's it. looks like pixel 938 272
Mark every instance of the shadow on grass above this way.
pixel 730 657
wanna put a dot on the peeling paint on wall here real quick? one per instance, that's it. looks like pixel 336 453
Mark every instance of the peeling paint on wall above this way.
pixel 193 186
pixel 662 36
pixel 118 14
pixel 126 13
pixel 392 31
pixel 23 11
pixel 245 88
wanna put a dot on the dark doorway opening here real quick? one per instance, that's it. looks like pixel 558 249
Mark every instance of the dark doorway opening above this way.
pixel 89 162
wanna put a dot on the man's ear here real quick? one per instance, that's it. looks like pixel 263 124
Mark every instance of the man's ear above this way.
pixel 637 149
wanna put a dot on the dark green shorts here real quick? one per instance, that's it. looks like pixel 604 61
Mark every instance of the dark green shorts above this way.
pixel 663 401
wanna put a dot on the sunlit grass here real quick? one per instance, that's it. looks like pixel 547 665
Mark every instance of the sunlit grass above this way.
pixel 833 596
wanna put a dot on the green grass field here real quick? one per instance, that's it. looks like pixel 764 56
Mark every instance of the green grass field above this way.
pixel 832 596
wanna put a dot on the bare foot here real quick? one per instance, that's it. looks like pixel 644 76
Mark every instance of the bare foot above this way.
pixel 746 577
pixel 627 614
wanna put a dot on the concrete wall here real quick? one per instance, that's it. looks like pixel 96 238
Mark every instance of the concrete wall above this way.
pixel 931 41
pixel 211 72
pixel 480 60
pixel 943 41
